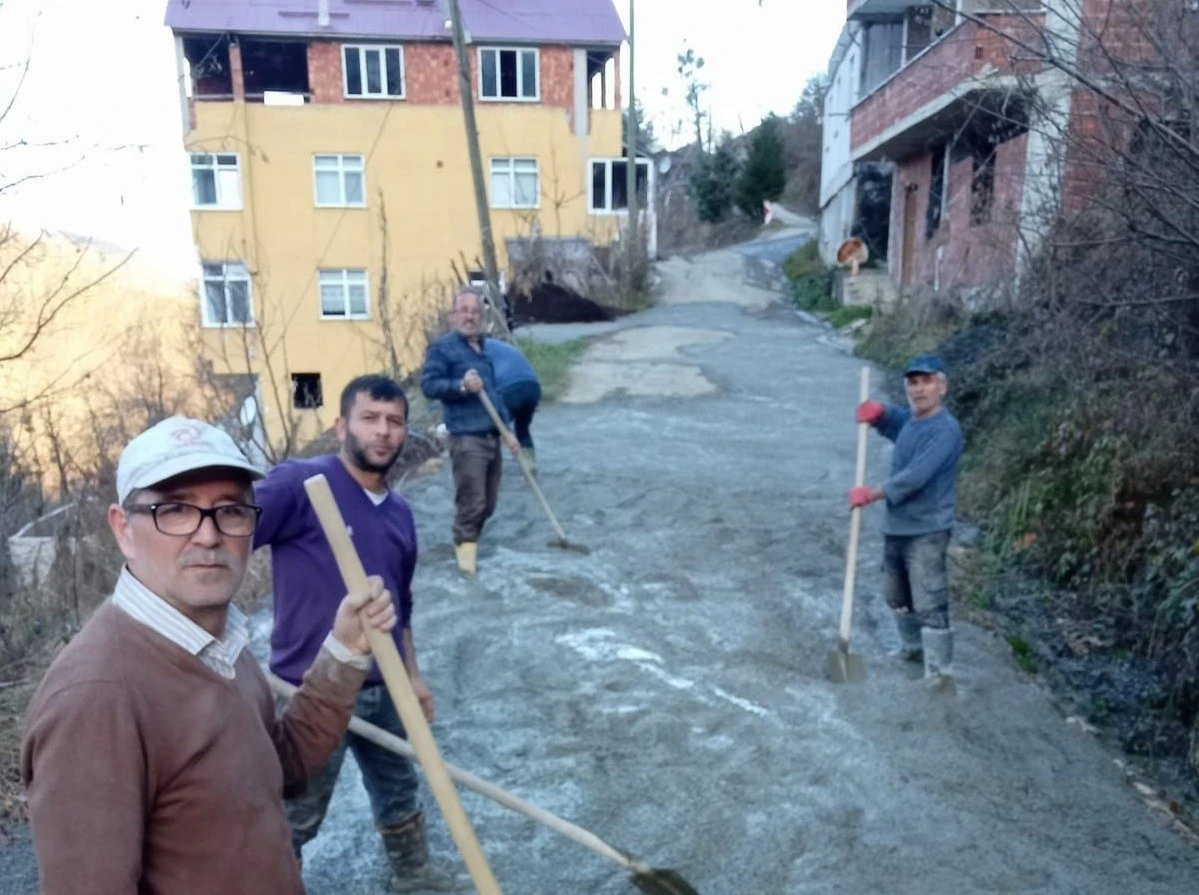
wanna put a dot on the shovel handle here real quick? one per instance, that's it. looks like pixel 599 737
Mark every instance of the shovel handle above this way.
pixel 400 688
pixel 400 746
pixel 855 520
pixel 524 465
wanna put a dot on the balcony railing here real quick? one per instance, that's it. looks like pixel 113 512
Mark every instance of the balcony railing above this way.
pixel 965 59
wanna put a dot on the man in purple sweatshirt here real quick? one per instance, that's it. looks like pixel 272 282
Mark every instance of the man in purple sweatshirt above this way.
pixel 372 426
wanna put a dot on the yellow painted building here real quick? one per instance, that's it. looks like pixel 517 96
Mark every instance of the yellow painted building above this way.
pixel 333 203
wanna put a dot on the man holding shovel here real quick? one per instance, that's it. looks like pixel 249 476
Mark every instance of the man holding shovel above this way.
pixel 456 370
pixel 153 758
pixel 920 502
pixel 371 428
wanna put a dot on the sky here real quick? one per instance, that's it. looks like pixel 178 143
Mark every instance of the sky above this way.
pixel 98 111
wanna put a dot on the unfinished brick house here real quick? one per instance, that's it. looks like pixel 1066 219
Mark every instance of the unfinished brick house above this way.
pixel 974 138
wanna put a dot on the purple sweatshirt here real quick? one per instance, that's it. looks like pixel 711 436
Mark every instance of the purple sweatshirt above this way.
pixel 307 585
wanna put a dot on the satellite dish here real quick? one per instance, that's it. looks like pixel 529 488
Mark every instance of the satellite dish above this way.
pixel 852 254
pixel 664 164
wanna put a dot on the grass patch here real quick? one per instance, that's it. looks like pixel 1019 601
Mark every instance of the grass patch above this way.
pixel 847 314
pixel 552 363
pixel 811 281
pixel 1022 651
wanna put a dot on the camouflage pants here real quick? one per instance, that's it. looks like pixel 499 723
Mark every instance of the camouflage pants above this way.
pixel 916 580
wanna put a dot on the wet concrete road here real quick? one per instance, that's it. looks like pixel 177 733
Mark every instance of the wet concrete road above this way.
pixel 667 692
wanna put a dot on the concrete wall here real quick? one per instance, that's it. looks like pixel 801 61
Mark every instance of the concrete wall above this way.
pixel 836 162
pixel 836 220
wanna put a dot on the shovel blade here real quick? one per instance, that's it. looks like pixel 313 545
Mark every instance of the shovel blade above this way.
pixel 845 667
pixel 655 881
pixel 569 545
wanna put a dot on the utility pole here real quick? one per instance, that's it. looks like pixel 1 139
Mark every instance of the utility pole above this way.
pixel 490 267
pixel 631 142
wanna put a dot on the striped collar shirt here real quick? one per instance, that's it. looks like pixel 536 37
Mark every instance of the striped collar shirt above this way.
pixel 144 606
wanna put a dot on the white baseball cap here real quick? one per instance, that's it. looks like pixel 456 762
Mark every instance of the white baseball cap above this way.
pixel 175 446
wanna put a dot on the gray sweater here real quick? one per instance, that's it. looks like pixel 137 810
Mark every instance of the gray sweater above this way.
pixel 924 466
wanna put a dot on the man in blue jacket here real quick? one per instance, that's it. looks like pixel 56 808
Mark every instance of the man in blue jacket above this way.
pixel 456 369
pixel 519 387
pixel 920 496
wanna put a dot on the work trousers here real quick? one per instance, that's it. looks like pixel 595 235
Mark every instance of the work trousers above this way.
pixel 916 578
pixel 477 465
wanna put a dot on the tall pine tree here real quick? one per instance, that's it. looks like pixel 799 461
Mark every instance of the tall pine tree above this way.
pixel 764 174
pixel 712 182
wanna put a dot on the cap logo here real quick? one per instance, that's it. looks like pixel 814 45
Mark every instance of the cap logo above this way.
pixel 187 434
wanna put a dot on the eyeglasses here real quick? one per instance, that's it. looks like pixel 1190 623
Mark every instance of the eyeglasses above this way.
pixel 181 520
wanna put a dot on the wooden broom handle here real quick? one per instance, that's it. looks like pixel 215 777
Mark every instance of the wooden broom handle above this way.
pixel 400 687
pixel 524 464
pixel 393 743
pixel 855 519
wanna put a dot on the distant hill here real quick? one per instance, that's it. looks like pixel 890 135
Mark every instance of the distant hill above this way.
pixel 81 323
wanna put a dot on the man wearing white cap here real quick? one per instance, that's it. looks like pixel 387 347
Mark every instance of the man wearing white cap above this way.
pixel 152 757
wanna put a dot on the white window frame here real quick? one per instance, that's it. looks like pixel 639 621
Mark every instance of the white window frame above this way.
pixel 341 169
pixel 607 163
pixel 520 75
pixel 239 274
pixel 362 50
pixel 223 203
pixel 510 162
pixel 341 276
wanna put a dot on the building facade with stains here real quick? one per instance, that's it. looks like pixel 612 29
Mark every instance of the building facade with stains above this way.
pixel 974 137
pixel 333 204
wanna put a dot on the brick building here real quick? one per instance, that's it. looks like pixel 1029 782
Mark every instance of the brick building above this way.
pixel 976 134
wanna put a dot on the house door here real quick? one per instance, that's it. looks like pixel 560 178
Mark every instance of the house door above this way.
pixel 909 237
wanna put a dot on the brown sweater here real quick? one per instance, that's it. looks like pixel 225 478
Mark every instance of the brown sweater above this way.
pixel 149 773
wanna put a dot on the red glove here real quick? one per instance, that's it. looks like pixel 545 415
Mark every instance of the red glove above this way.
pixel 859 496
pixel 869 412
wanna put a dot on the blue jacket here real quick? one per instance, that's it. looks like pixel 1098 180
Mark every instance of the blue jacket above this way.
pixel 924 467
pixel 447 362
pixel 511 365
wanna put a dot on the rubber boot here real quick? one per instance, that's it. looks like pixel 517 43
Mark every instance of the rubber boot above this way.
pixel 467 553
pixel 407 847
pixel 912 648
pixel 938 654
pixel 531 456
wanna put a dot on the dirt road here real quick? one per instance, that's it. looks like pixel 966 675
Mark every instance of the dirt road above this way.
pixel 667 691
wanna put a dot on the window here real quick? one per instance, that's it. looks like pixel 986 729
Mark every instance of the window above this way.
pixel 226 294
pixel 306 391
pixel 919 33
pixel 515 183
pixel 216 180
pixel 982 189
pixel 340 181
pixel 373 72
pixel 343 295
pixel 936 192
pixel 208 67
pixel 274 66
pixel 609 190
pixel 508 74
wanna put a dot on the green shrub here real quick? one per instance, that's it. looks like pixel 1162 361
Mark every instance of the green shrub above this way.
pixel 847 314
pixel 811 281
pixel 803 262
